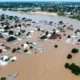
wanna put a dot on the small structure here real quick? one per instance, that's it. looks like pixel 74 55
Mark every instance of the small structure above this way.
pixel 11 77
pixel 43 37
pixel 55 36
pixel 19 51
pixel 11 39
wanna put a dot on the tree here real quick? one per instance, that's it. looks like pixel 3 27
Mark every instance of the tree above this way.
pixel 38 29
pixel 56 46
pixel 18 48
pixel 31 47
pixel 3 78
pixel 11 32
pixel 6 28
pixel 0 50
pixel 60 22
pixel 25 50
pixel 74 50
pixel 14 50
pixel 46 33
pixel 69 56
pixel 67 65
pixel 68 36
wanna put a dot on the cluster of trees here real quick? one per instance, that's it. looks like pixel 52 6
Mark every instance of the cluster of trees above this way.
pixel 61 14
pixel 75 17
pixel 74 50
pixel 73 67
pixel 3 78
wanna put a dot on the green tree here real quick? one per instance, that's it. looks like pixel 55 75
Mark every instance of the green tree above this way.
pixel 56 46
pixel 67 65
pixel 14 50
pixel 25 50
pixel 74 50
pixel 11 32
pixel 0 50
pixel 69 56
pixel 3 78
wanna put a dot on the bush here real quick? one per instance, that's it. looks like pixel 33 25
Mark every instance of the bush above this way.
pixel 25 50
pixel 0 50
pixel 18 48
pixel 74 50
pixel 56 46
pixel 11 32
pixel 69 56
pixel 38 29
pixel 73 67
pixel 14 50
pixel 67 65
pixel 31 47
pixel 3 78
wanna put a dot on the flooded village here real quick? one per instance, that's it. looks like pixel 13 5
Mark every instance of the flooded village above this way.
pixel 39 46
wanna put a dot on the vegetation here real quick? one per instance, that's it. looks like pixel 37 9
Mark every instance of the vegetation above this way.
pixel 0 50
pixel 61 14
pixel 18 48
pixel 23 31
pixel 14 50
pixel 25 50
pixel 73 67
pixel 38 29
pixel 69 56
pixel 31 47
pixel 56 46
pixel 68 36
pixel 66 65
pixel 6 28
pixel 47 33
pixel 75 17
pixel 3 78
pixel 74 50
pixel 11 32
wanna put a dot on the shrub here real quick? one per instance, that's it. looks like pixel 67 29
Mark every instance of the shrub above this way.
pixel 0 50
pixel 18 48
pixel 25 50
pixel 3 78
pixel 69 56
pixel 31 47
pixel 56 46
pixel 67 65
pixel 74 50
pixel 14 50
pixel 11 32
pixel 38 29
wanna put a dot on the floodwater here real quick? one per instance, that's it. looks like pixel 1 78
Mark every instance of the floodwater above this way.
pixel 48 65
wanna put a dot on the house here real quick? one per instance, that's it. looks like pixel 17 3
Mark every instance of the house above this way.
pixel 4 57
pixel 25 46
pixel 1 36
pixel 19 51
pixel 11 38
pixel 78 42
pixel 43 37
pixel 55 36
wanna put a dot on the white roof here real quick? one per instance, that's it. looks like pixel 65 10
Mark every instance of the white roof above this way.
pixel 2 63
pixel 25 46
pixel 4 57
pixel 31 31
pixel 48 35
pixel 13 58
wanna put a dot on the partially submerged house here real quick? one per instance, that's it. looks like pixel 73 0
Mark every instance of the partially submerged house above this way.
pixel 55 36
pixel 11 38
